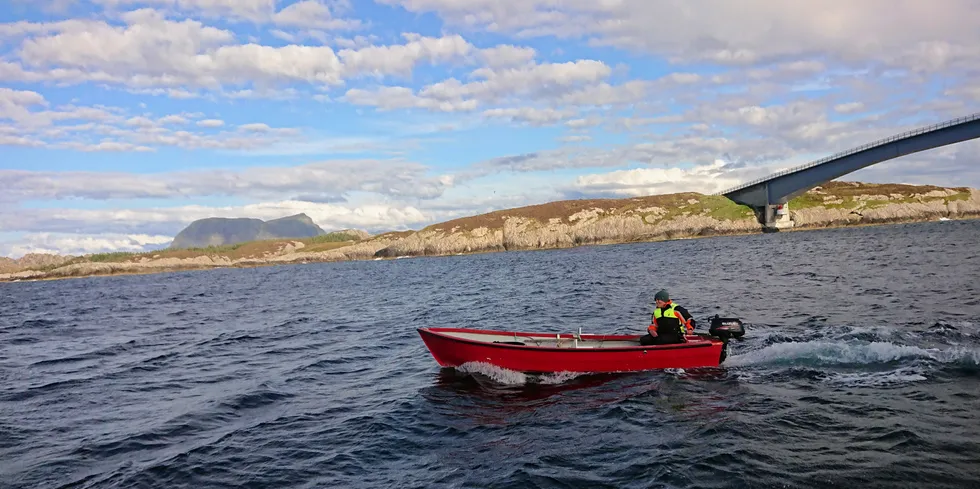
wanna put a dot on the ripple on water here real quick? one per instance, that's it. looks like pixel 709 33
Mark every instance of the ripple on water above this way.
pixel 313 375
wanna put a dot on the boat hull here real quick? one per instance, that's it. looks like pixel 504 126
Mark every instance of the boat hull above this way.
pixel 548 353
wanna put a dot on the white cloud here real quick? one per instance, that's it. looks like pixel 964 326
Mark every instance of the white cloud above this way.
pixel 311 14
pixel 666 150
pixel 563 88
pixel 253 10
pixel 531 115
pixel 140 121
pixel 255 127
pixel 80 244
pixel 391 98
pixel 606 94
pixel 849 108
pixel 109 129
pixel 168 221
pixel 110 146
pixel 705 179
pixel 15 104
pixel 211 123
pixel 546 81
pixel 8 140
pixel 871 30
pixel 507 55
pixel 153 52
pixel 356 42
pixel 14 99
pixel 970 92
pixel 583 123
pixel 400 59
pixel 19 106
pixel 335 177
pixel 304 13
pixel 161 56
pixel 173 119
pixel 683 78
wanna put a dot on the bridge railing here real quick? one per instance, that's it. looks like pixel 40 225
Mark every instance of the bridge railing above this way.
pixel 880 142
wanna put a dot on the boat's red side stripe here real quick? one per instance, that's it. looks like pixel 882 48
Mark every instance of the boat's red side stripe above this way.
pixel 678 346
pixel 529 334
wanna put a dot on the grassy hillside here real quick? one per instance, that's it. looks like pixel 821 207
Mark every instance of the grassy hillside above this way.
pixel 853 195
pixel 652 209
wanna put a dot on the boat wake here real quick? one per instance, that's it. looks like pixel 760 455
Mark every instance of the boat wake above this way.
pixel 853 362
pixel 824 352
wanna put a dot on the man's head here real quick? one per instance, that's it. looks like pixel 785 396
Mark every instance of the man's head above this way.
pixel 661 298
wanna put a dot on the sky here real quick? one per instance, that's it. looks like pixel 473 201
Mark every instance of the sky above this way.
pixel 121 121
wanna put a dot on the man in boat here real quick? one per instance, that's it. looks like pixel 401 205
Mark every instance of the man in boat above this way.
pixel 668 323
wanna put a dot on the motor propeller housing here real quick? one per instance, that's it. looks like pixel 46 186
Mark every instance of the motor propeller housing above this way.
pixel 726 328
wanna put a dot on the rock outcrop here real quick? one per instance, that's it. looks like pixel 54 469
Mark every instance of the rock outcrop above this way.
pixel 522 233
pixel 835 209
pixel 33 261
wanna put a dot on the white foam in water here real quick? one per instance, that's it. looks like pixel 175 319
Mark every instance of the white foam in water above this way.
pixel 839 352
pixel 499 375
pixel 511 377
pixel 877 379
pixel 970 356
pixel 559 377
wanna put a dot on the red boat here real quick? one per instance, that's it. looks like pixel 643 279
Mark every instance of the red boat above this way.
pixel 556 352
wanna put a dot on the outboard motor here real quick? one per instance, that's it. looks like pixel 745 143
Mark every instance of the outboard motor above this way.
pixel 726 328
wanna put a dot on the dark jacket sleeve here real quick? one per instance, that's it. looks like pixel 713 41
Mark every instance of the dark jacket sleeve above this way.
pixel 687 315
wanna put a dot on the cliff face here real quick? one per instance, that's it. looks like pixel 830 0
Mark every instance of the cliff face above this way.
pixel 573 223
pixel 839 204
pixel 521 233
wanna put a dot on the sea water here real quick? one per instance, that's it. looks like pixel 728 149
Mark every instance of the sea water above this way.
pixel 860 368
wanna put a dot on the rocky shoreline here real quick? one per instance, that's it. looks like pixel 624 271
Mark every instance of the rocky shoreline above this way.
pixel 567 224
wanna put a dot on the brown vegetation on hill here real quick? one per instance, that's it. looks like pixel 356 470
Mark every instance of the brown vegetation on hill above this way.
pixel 578 222
pixel 850 203
pixel 851 189
pixel 561 210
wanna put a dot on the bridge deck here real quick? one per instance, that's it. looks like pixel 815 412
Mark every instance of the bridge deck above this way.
pixel 843 154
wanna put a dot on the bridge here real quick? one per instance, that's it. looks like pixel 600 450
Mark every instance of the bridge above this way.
pixel 770 195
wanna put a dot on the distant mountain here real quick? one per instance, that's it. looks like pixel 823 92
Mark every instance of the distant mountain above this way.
pixel 218 231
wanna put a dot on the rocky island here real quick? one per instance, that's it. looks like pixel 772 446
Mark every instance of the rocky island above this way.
pixel 547 226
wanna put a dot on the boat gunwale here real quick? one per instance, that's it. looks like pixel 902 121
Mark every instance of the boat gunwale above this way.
pixel 441 333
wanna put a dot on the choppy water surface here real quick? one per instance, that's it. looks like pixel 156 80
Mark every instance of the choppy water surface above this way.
pixel 861 368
